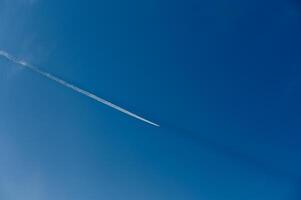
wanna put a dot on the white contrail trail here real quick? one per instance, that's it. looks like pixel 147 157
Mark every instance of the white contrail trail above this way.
pixel 73 87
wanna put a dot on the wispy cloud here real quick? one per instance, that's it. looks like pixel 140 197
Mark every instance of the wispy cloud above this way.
pixel 73 87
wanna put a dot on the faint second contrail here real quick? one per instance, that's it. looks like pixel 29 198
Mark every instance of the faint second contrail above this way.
pixel 73 87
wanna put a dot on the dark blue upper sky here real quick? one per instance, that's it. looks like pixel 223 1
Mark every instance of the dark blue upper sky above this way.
pixel 222 78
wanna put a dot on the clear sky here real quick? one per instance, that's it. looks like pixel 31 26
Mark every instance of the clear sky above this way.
pixel 221 77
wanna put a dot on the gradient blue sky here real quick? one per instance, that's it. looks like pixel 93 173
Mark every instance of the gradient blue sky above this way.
pixel 223 78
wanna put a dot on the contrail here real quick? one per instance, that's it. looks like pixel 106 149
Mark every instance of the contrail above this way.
pixel 73 87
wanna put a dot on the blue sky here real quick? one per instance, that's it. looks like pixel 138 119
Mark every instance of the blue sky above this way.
pixel 222 78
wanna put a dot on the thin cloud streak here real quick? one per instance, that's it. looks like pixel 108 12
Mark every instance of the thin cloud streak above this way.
pixel 73 87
